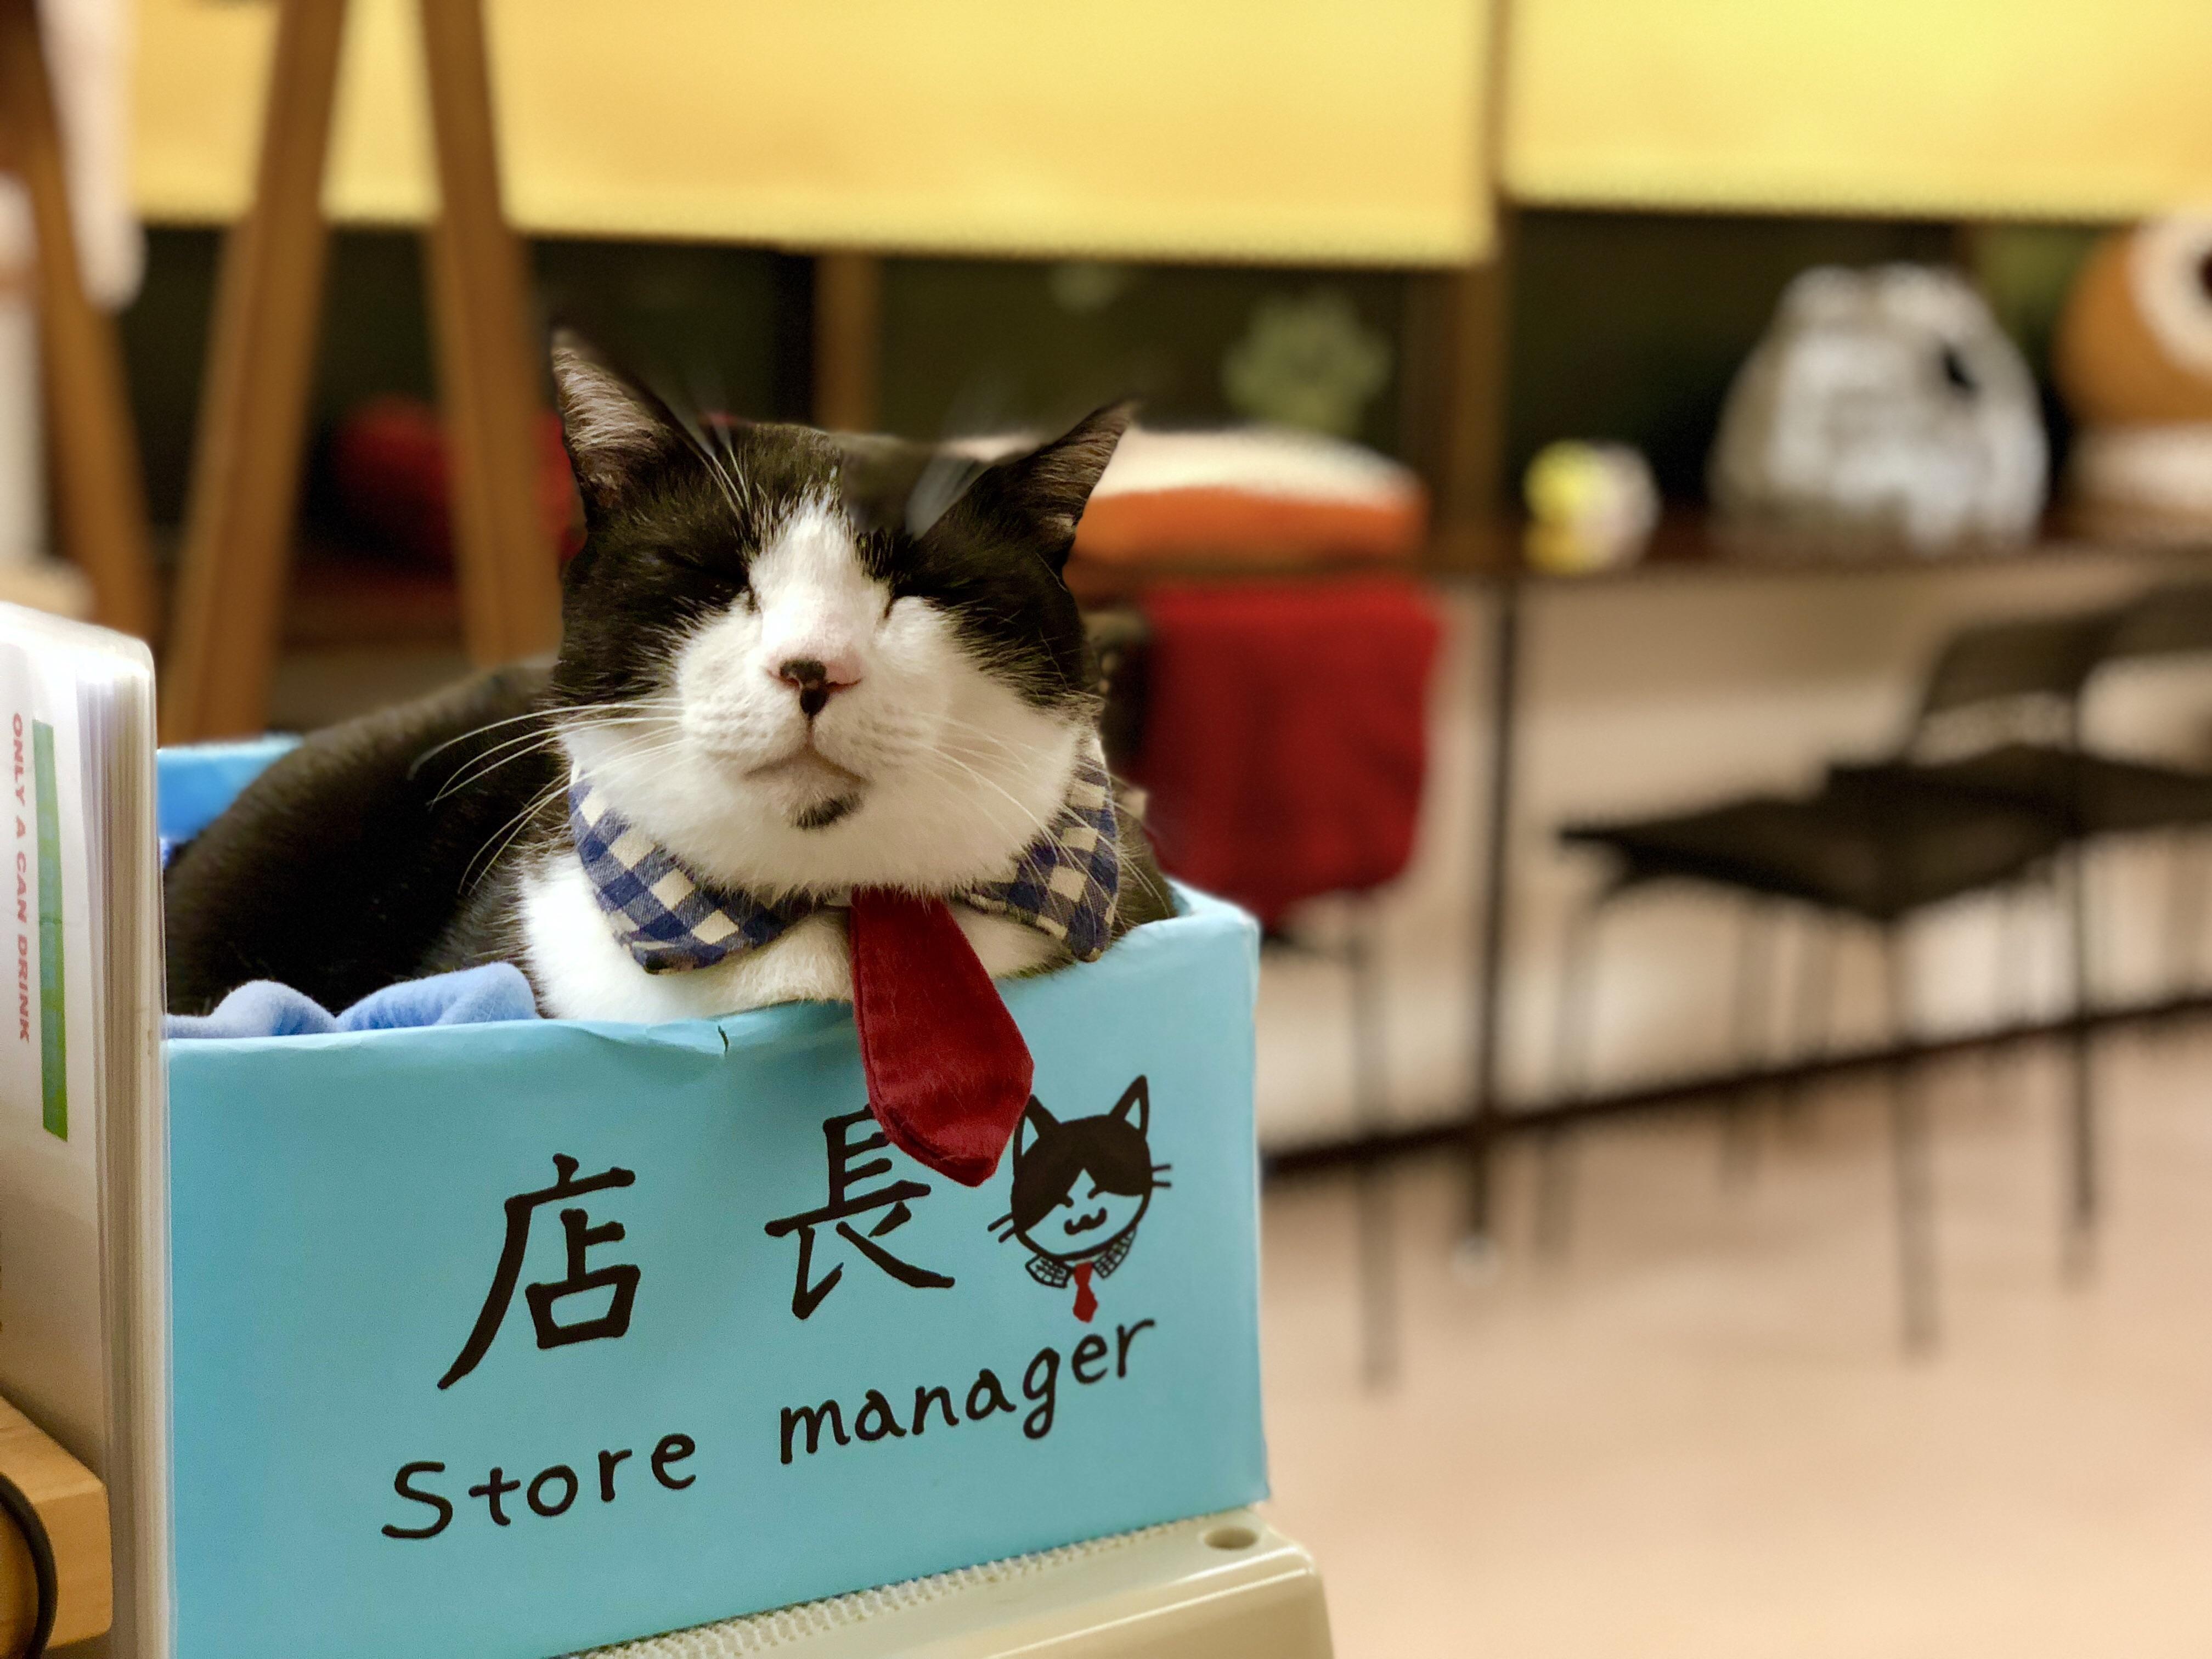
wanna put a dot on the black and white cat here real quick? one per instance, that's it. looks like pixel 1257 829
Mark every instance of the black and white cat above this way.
pixel 793 664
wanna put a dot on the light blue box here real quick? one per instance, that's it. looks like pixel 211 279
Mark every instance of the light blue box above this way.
pixel 340 1209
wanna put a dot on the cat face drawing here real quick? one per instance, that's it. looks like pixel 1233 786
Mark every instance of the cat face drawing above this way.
pixel 1080 1190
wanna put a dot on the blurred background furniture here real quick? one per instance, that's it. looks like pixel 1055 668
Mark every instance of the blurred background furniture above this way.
pixel 1570 1099
pixel 1422 169
pixel 2090 795
pixel 1879 853
pixel 1349 145
pixel 246 481
pixel 1966 110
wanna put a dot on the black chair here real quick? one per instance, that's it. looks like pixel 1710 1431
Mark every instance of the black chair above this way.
pixel 2089 795
pixel 1862 849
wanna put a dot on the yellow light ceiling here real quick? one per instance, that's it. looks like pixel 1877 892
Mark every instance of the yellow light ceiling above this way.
pixel 2058 109
pixel 1289 130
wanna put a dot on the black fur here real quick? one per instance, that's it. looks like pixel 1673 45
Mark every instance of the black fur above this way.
pixel 389 847
pixel 345 866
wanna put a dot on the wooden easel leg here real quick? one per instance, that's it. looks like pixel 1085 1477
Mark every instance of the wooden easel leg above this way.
pixel 849 322
pixel 245 472
pixel 102 494
pixel 510 582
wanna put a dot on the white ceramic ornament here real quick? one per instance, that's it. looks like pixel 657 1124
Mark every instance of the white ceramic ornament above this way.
pixel 1882 404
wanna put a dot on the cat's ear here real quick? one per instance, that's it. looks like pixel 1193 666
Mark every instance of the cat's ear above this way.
pixel 1035 1121
pixel 1136 1104
pixel 1050 486
pixel 615 430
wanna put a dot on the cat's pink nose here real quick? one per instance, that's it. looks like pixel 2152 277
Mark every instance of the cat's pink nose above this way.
pixel 815 680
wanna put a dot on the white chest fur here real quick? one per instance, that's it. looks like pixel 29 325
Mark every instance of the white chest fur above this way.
pixel 583 972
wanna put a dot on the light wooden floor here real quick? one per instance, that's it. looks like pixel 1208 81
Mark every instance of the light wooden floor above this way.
pixel 1695 1434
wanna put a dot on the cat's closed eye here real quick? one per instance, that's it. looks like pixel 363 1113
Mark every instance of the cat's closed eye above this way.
pixel 720 574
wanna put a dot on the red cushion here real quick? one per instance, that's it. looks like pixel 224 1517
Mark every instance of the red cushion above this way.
pixel 393 479
pixel 1285 734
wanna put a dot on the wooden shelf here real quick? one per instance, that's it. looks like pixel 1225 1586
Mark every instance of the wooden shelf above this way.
pixel 342 601
pixel 1690 543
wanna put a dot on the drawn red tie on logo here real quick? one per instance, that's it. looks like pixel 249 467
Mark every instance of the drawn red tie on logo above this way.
pixel 1085 1304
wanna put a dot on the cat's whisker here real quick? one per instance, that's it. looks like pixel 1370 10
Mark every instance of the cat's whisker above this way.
pixel 433 752
pixel 629 760
pixel 514 827
pixel 645 723
pixel 437 750
pixel 986 744
pixel 545 731
pixel 635 752
pixel 980 734
pixel 467 779
pixel 586 722
pixel 1039 820
pixel 479 769
pixel 480 766
pixel 416 766
pixel 628 705
pixel 1028 814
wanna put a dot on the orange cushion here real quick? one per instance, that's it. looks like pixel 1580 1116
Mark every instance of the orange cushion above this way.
pixel 1250 496
pixel 1162 526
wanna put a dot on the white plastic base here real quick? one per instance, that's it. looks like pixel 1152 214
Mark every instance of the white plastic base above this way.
pixel 1221 1587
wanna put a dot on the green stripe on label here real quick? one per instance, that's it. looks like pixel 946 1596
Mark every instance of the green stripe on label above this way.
pixel 53 1024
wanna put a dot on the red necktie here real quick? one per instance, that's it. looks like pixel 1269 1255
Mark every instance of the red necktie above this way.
pixel 948 1073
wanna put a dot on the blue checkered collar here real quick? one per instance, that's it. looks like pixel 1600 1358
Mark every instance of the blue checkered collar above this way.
pixel 1065 884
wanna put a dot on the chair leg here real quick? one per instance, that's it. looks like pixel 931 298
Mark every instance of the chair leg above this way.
pixel 2013 990
pixel 1378 1276
pixel 1755 964
pixel 1911 1161
pixel 2080 1171
pixel 2185 913
pixel 1570 1041
pixel 1816 1011
pixel 2012 987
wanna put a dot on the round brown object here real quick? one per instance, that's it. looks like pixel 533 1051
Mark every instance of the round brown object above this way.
pixel 2135 342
